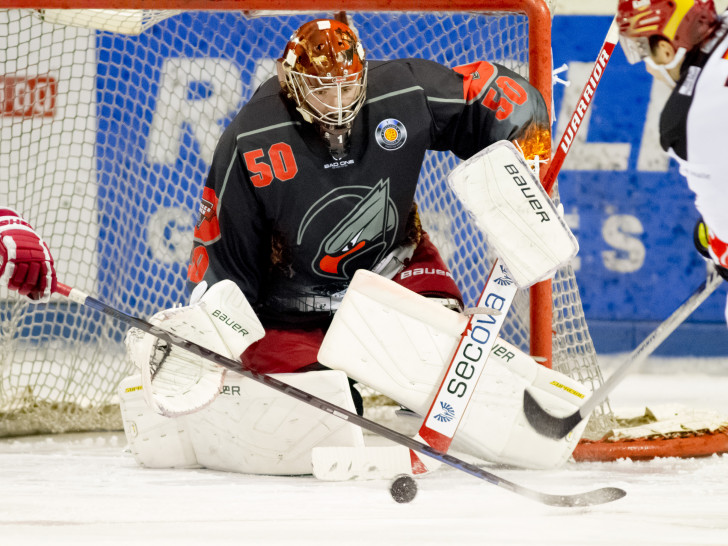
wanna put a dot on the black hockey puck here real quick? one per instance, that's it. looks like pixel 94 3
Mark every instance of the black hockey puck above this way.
pixel 403 488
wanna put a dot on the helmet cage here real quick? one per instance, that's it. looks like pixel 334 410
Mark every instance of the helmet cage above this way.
pixel 323 99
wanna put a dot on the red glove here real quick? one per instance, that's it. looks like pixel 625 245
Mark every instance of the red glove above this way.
pixel 26 264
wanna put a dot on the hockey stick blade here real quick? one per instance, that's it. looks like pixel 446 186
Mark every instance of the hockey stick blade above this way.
pixel 558 427
pixel 589 498
pixel 545 423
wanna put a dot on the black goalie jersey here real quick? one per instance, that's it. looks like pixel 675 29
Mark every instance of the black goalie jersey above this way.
pixel 288 223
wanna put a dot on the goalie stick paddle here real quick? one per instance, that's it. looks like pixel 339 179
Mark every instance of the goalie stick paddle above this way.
pixel 596 496
pixel 558 427
pixel 467 364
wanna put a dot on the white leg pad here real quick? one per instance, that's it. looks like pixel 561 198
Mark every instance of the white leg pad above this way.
pixel 494 426
pixel 249 428
pixel 361 463
pixel 155 441
pixel 401 344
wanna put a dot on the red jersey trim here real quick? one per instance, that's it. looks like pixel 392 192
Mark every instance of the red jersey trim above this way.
pixel 208 227
pixel 477 77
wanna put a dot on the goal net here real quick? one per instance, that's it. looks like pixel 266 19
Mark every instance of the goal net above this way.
pixel 109 119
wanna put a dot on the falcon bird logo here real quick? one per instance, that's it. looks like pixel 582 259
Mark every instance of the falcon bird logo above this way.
pixel 360 238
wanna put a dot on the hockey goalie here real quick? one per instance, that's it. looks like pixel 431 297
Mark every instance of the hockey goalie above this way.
pixel 184 411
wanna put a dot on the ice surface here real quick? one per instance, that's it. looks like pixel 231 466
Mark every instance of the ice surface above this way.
pixel 84 489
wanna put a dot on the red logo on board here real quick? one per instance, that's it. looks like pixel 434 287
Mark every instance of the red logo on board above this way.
pixel 28 96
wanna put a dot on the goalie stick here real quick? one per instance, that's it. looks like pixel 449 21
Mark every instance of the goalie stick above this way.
pixel 585 99
pixel 558 427
pixel 466 366
pixel 596 496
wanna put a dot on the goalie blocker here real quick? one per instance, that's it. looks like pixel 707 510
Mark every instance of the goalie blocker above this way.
pixel 519 220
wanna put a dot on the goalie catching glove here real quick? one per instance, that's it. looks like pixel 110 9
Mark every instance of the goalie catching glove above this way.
pixel 514 212
pixel 177 382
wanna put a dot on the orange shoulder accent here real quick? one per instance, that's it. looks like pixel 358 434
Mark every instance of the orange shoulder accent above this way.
pixel 476 77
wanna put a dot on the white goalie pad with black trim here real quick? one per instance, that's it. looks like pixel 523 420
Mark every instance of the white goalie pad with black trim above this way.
pixel 517 217
pixel 400 344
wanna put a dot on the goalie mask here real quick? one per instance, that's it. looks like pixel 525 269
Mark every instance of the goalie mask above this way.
pixel 324 72
pixel 644 24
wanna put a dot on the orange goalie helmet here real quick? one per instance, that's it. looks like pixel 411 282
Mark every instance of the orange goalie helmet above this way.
pixel 684 23
pixel 324 72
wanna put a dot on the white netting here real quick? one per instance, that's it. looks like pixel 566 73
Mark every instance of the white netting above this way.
pixel 106 141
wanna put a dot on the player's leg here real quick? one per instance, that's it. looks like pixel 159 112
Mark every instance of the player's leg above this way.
pixel 249 428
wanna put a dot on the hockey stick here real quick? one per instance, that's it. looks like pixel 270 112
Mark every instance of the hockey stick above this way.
pixel 467 363
pixel 597 496
pixel 558 427
pixel 582 106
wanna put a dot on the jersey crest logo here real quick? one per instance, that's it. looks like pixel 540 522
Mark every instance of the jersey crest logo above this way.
pixel 365 221
pixel 207 228
pixel 390 134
